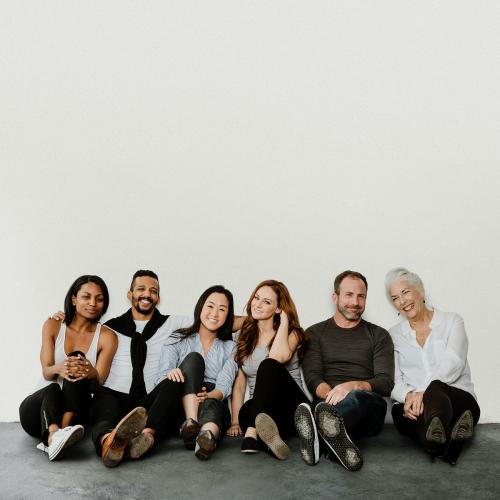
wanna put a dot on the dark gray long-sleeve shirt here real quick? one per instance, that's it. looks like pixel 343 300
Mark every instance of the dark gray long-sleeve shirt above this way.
pixel 335 355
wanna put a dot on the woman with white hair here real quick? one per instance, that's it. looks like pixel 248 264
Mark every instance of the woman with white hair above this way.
pixel 435 397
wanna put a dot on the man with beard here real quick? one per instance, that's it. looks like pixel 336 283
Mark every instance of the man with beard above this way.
pixel 130 386
pixel 348 367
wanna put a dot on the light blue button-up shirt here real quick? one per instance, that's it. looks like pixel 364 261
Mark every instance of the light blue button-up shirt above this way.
pixel 220 366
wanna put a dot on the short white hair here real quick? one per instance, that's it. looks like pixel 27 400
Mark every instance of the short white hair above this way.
pixel 402 274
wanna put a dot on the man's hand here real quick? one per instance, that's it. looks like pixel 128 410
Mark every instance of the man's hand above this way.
pixel 340 391
pixel 414 405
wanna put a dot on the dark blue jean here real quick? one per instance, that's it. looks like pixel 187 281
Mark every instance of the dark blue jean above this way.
pixel 363 413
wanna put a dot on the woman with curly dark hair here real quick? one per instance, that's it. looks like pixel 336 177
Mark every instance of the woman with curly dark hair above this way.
pixel 267 355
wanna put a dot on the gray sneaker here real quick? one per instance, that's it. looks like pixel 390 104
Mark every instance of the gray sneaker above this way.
pixel 308 434
pixel 331 428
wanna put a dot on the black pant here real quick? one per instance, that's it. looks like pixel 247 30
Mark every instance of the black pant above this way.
pixel 46 407
pixel 164 404
pixel 277 394
pixel 443 401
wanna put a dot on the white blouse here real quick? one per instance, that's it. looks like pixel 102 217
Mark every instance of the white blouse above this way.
pixel 443 356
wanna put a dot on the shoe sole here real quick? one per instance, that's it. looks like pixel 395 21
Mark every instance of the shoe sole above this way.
pixel 308 434
pixel 463 428
pixel 140 445
pixel 435 432
pixel 205 446
pixel 128 428
pixel 268 431
pixel 331 428
pixel 75 436
pixel 189 433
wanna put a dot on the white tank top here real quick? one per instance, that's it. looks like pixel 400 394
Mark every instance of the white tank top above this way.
pixel 60 355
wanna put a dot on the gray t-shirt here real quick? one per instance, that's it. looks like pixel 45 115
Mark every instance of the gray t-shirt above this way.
pixel 260 353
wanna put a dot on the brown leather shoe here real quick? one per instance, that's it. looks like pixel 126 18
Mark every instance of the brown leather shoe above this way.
pixel 141 444
pixel 188 432
pixel 113 447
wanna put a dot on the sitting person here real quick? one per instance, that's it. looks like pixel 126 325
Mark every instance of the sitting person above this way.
pixel 348 367
pixel 267 357
pixel 198 368
pixel 435 397
pixel 63 396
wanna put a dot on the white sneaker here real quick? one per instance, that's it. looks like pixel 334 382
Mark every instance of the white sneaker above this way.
pixel 42 447
pixel 64 438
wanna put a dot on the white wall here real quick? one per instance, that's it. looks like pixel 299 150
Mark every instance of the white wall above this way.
pixel 228 142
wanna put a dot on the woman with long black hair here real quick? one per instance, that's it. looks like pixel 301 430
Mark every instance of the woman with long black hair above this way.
pixel 198 364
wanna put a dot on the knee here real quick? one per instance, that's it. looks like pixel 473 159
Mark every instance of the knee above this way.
pixel 434 387
pixel 268 366
pixel 54 388
pixel 194 360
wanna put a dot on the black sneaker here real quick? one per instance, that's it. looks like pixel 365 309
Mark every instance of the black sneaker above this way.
pixel 331 428
pixel 250 445
pixel 308 434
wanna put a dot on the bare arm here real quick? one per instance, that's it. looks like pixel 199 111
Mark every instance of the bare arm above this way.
pixel 108 343
pixel 50 370
pixel 284 345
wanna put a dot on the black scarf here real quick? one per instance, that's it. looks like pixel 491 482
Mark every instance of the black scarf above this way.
pixel 125 325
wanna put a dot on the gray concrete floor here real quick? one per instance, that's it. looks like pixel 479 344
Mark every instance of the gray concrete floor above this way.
pixel 394 468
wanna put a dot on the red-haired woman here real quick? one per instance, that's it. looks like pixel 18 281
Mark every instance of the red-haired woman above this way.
pixel 267 357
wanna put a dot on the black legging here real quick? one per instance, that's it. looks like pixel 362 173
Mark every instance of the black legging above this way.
pixel 443 401
pixel 164 404
pixel 277 394
pixel 47 405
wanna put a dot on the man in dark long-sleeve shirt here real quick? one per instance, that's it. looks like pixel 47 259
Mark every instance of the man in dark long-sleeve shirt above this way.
pixel 348 367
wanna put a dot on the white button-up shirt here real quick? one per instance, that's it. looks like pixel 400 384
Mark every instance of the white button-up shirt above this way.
pixel 443 356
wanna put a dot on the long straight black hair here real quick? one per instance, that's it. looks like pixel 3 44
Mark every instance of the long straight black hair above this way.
pixel 70 309
pixel 225 331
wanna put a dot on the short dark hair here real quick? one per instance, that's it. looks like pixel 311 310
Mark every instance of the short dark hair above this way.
pixel 225 331
pixel 144 272
pixel 70 308
pixel 348 274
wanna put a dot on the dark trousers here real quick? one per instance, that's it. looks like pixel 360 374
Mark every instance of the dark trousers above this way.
pixel 277 394
pixel 443 401
pixel 363 413
pixel 164 403
pixel 46 407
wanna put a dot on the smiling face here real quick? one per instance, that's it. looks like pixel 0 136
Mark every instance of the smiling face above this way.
pixel 144 295
pixel 350 302
pixel 407 299
pixel 214 312
pixel 89 301
pixel 264 304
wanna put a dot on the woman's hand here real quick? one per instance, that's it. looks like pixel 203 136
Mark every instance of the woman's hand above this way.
pixel 58 316
pixel 175 375
pixel 234 430
pixel 284 320
pixel 79 368
pixel 414 405
pixel 201 396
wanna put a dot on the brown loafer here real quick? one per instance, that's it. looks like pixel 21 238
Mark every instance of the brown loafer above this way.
pixel 189 431
pixel 113 447
pixel 141 444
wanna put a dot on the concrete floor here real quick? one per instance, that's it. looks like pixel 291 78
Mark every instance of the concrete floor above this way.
pixel 394 468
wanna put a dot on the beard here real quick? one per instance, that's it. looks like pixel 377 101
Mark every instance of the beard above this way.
pixel 139 309
pixel 351 314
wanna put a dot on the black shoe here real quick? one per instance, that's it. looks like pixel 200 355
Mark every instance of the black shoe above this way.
pixel 205 445
pixel 435 433
pixel 463 428
pixel 308 434
pixel 250 445
pixel 331 428
pixel 189 430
